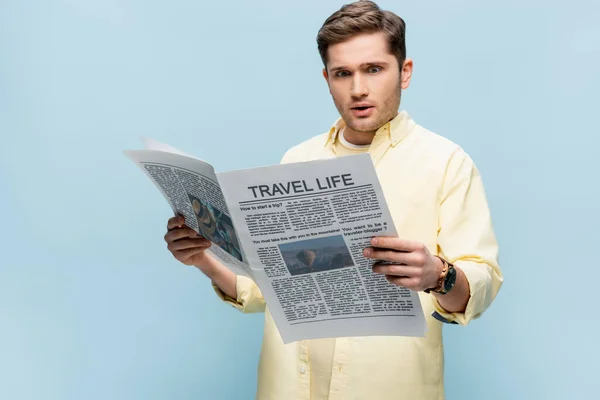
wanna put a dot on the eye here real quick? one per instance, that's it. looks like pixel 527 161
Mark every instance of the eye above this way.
pixel 342 74
pixel 374 70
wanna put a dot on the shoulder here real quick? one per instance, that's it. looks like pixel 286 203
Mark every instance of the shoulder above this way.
pixel 306 150
pixel 436 147
pixel 434 142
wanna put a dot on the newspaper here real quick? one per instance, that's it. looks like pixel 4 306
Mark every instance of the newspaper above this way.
pixel 298 231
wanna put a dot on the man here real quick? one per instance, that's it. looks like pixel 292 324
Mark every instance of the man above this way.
pixel 447 252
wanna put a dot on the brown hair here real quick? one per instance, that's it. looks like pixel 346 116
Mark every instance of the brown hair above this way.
pixel 363 16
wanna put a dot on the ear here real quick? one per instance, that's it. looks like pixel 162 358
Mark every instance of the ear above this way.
pixel 407 68
pixel 326 76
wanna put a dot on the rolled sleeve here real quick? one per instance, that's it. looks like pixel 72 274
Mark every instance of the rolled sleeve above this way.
pixel 466 239
pixel 249 297
pixel 484 284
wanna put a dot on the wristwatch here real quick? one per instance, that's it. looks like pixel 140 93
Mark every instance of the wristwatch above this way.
pixel 446 280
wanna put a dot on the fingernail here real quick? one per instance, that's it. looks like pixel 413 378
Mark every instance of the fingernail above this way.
pixel 367 252
pixel 374 241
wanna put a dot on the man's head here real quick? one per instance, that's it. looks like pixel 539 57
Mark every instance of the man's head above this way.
pixel 364 55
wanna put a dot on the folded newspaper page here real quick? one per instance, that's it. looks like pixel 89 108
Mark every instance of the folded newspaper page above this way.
pixel 299 231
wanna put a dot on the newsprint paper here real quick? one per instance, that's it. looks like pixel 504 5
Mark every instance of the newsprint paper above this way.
pixel 298 231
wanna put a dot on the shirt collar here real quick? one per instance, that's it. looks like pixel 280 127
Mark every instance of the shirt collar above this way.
pixel 398 128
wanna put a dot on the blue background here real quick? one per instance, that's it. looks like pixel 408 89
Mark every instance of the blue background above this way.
pixel 92 305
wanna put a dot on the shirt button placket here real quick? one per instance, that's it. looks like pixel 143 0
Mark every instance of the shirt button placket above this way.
pixel 303 368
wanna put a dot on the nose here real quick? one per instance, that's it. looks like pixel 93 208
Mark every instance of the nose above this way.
pixel 359 87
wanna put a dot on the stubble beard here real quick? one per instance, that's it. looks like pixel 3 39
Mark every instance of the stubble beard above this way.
pixel 390 110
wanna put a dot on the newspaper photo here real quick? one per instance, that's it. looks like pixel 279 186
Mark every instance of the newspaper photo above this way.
pixel 192 190
pixel 299 231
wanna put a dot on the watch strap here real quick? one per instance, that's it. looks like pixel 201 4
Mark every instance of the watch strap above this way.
pixel 439 288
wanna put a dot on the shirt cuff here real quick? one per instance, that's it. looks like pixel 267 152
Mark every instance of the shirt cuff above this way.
pixel 249 298
pixel 481 294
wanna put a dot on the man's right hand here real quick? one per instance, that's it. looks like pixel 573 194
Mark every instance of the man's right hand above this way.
pixel 184 243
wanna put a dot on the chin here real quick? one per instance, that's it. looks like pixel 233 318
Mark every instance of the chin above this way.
pixel 364 125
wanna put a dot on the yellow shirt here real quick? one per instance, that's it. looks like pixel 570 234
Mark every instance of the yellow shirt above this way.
pixel 436 196
pixel 320 351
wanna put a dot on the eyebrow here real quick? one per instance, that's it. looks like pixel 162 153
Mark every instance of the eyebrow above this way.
pixel 382 63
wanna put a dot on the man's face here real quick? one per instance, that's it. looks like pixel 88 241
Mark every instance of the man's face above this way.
pixel 365 81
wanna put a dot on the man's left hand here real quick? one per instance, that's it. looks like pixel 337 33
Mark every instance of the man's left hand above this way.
pixel 414 266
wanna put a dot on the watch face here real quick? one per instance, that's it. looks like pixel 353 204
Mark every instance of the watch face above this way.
pixel 450 280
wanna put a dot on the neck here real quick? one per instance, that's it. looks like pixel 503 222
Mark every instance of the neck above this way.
pixel 358 138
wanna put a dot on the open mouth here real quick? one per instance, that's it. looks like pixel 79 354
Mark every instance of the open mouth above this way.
pixel 362 111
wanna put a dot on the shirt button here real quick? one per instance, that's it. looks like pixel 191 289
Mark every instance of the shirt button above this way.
pixel 302 369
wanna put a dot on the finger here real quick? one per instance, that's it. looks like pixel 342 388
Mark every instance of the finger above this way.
pixel 398 270
pixel 184 244
pixel 394 256
pixel 180 233
pixel 399 257
pixel 396 243
pixel 184 255
pixel 378 254
pixel 409 283
pixel 175 222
